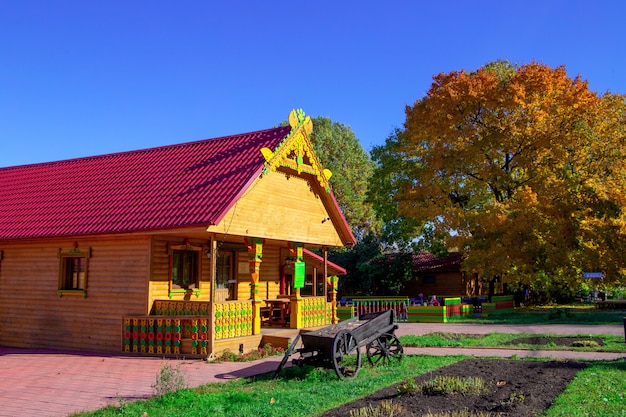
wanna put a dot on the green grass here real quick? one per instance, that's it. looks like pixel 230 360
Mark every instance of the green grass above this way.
pixel 612 343
pixel 563 314
pixel 298 392
pixel 598 391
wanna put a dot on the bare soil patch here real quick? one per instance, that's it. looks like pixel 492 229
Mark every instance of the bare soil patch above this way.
pixel 557 341
pixel 518 388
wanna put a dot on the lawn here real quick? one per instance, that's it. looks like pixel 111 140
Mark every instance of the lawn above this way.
pixel 563 314
pixel 598 390
pixel 298 392
pixel 609 343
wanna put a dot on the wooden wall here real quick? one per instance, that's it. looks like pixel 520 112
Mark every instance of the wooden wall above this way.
pixel 273 257
pixel 33 315
pixel 281 207
pixel 269 275
pixel 126 274
pixel 159 271
pixel 446 284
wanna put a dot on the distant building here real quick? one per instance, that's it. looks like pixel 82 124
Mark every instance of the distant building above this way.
pixel 441 276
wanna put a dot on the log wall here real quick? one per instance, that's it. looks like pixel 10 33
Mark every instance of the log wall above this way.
pixel 32 315
pixel 159 270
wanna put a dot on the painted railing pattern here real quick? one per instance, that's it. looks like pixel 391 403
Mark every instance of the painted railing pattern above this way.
pixel 233 319
pixel 315 311
pixel 161 335
pixel 183 327
pixel 374 305
pixel 181 308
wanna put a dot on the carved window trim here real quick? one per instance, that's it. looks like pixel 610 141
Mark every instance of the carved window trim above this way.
pixel 73 262
pixel 186 247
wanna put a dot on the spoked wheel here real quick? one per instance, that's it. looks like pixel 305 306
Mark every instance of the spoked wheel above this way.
pixel 384 350
pixel 346 355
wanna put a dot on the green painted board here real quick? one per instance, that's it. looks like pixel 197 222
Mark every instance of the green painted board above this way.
pixel 299 271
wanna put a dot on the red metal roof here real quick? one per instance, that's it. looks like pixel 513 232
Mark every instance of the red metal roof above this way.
pixel 427 262
pixel 333 268
pixel 189 184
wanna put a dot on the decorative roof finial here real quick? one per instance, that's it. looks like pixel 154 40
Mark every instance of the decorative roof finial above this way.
pixel 291 151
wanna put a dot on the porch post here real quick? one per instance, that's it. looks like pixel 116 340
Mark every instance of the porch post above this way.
pixel 325 277
pixel 333 283
pixel 295 315
pixel 213 271
pixel 255 255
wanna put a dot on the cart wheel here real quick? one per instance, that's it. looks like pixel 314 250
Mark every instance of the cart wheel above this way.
pixel 384 350
pixel 346 355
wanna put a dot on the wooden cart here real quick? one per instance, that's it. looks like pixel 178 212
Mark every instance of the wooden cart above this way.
pixel 338 346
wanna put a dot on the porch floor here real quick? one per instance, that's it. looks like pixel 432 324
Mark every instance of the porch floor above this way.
pixel 282 337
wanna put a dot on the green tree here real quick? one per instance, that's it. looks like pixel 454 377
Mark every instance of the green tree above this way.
pixel 339 150
pixel 371 271
pixel 399 232
pixel 520 166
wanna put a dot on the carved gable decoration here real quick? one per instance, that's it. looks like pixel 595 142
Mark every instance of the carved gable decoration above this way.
pixel 296 151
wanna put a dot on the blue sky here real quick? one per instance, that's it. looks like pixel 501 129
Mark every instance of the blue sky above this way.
pixel 89 77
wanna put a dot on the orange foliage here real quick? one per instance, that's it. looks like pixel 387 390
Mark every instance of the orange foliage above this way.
pixel 524 165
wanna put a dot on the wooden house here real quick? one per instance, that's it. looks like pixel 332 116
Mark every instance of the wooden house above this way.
pixel 441 276
pixel 175 249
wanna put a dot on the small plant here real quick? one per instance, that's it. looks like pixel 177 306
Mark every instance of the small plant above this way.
pixel 386 408
pixel 407 386
pixel 169 379
pixel 514 398
pixel 442 385
pixel 585 343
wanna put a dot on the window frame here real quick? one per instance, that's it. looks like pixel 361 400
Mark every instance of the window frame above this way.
pixel 194 288
pixel 231 281
pixel 64 260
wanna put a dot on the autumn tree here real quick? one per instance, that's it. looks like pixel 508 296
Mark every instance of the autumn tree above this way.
pixel 521 167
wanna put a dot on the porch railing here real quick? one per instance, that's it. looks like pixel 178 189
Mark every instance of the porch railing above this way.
pixel 363 305
pixel 166 335
pixel 233 319
pixel 184 327
pixel 315 311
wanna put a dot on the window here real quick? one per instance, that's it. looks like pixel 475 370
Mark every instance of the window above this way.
pixel 224 269
pixel 225 275
pixel 185 267
pixel 73 269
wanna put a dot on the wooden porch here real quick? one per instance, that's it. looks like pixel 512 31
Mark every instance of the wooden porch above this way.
pixel 203 328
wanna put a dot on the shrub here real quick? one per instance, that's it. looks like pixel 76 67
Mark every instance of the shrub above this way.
pixel 559 313
pixel 169 379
